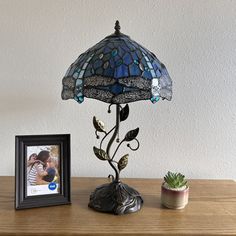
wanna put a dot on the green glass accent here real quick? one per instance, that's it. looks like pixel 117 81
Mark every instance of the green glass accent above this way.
pixel 114 52
pixel 136 62
pixel 155 99
pixel 80 99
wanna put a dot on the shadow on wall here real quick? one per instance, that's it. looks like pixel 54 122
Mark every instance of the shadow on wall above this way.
pixel 28 104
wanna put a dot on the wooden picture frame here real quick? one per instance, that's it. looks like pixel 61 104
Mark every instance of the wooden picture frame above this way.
pixel 42 170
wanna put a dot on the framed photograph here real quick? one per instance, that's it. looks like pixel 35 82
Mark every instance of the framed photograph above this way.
pixel 42 170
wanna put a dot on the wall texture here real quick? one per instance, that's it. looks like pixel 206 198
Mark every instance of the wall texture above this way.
pixel 195 133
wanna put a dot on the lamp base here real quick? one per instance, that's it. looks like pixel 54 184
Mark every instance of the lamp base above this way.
pixel 116 198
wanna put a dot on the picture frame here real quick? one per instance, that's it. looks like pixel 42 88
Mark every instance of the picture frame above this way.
pixel 42 170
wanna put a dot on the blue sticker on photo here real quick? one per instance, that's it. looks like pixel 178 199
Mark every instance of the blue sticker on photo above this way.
pixel 52 186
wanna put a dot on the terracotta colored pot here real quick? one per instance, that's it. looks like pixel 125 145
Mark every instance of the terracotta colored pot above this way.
pixel 174 199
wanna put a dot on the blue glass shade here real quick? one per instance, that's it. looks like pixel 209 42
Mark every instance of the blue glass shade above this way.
pixel 117 70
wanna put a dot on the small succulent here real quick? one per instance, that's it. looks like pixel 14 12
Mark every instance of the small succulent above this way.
pixel 175 180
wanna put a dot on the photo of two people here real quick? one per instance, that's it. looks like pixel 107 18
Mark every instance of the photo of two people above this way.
pixel 43 172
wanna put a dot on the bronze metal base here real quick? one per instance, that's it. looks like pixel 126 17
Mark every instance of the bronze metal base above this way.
pixel 116 198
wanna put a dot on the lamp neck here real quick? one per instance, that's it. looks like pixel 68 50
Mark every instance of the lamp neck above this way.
pixel 117 178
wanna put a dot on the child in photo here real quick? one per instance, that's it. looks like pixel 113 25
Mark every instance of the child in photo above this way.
pixel 37 168
pixel 52 175
pixel 31 159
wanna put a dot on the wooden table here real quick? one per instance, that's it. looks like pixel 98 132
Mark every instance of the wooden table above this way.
pixel 211 211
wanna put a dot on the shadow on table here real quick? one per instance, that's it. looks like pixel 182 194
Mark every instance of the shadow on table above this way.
pixel 152 201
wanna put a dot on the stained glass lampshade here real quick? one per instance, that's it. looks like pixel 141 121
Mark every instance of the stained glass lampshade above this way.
pixel 117 70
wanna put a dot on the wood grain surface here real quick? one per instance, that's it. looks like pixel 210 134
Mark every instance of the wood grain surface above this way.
pixel 211 211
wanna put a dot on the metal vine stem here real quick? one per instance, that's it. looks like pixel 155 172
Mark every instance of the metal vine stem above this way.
pixel 117 178
pixel 111 160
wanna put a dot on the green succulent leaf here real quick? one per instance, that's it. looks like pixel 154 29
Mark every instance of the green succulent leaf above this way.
pixel 132 134
pixel 123 162
pixel 100 154
pixel 175 180
pixel 98 125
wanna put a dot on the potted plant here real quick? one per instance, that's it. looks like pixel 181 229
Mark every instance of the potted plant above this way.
pixel 174 191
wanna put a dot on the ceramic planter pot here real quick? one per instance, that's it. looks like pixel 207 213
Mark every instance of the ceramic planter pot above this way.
pixel 174 199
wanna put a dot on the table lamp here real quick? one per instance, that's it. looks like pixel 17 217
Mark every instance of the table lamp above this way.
pixel 117 70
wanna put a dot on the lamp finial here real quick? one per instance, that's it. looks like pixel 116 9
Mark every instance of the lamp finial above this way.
pixel 117 27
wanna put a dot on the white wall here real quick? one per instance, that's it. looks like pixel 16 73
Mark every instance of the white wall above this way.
pixel 195 133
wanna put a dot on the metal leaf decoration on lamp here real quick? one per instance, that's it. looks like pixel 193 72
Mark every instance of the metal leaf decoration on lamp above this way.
pixel 117 70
